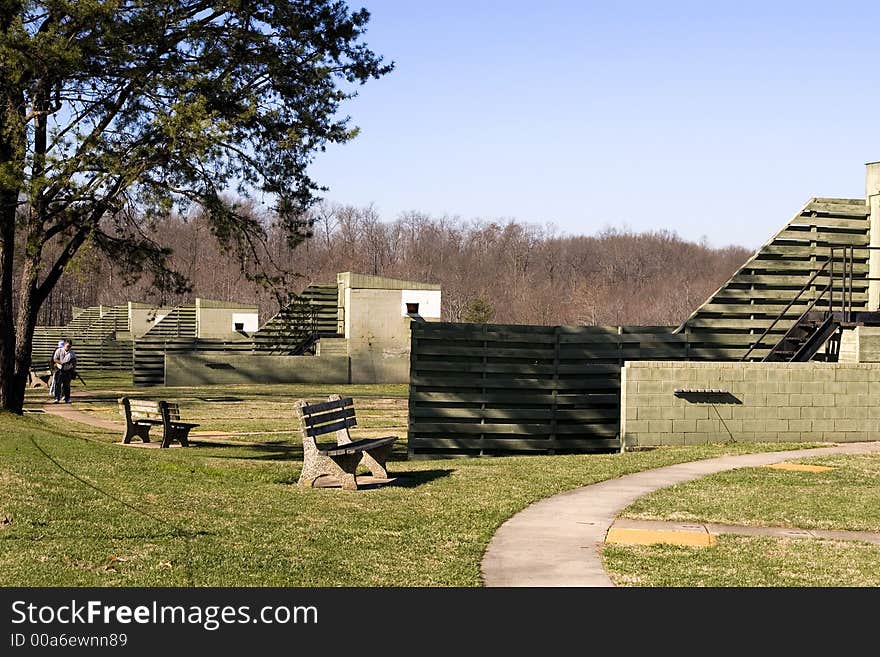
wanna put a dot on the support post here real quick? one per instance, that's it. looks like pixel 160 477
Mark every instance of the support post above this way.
pixel 872 198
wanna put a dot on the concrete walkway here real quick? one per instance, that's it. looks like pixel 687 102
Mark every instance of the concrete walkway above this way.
pixel 557 541
pixel 69 412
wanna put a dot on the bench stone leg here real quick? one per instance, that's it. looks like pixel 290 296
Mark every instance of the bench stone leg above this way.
pixel 340 467
pixel 375 460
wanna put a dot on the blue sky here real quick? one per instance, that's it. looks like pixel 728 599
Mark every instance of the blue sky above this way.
pixel 716 119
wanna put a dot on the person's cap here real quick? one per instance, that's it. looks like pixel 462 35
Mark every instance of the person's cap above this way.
pixel 61 343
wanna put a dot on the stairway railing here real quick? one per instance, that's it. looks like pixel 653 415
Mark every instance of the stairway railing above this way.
pixel 846 292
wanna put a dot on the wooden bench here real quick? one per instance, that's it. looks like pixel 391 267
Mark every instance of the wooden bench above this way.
pixel 339 460
pixel 143 414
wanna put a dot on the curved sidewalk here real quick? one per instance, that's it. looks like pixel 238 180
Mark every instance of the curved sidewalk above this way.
pixel 557 541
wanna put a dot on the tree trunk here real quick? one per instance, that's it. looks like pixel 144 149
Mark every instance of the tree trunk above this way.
pixel 12 141
pixel 7 323
pixel 29 303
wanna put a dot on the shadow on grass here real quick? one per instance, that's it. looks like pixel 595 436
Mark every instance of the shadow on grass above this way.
pixel 251 452
pixel 410 479
pixel 267 451
pixel 415 478
pixel 110 537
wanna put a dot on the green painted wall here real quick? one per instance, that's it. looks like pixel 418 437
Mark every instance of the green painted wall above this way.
pixel 195 369
pixel 827 402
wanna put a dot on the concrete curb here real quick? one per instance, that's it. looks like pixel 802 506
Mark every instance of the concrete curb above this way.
pixel 711 529
pixel 557 541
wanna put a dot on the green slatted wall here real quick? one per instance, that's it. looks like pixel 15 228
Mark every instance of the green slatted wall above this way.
pixel 483 389
pixel 90 354
pixel 739 312
pixel 93 331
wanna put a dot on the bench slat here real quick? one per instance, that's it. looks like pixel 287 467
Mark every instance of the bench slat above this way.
pixel 314 420
pixel 144 405
pixel 327 406
pixel 330 428
pixel 357 446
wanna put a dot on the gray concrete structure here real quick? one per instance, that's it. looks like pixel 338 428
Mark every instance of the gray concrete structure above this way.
pixel 860 345
pixel 375 323
pixel 872 198
pixel 373 345
pixel 218 319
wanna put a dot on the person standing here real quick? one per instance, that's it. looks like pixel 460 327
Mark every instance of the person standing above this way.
pixel 65 362
pixel 55 367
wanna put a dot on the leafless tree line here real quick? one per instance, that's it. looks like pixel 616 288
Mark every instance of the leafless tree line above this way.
pixel 499 271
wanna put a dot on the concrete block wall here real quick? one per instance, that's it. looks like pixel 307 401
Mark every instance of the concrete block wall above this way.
pixel 785 402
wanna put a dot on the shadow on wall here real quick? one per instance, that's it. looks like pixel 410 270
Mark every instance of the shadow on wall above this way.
pixel 698 396
pixel 194 369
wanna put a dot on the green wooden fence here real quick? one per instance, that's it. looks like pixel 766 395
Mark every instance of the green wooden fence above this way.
pixel 483 389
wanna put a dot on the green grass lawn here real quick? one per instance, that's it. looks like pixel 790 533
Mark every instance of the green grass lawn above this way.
pixel 847 497
pixel 82 511
pixel 746 561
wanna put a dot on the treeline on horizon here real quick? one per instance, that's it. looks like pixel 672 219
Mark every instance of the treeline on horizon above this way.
pixel 490 271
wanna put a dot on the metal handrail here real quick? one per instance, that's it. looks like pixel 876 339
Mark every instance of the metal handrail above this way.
pixel 793 326
pixel 846 305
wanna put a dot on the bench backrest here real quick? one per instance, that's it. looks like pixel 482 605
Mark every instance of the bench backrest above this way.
pixel 336 415
pixel 147 409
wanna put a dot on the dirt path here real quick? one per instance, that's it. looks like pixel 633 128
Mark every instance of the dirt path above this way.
pixel 71 413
